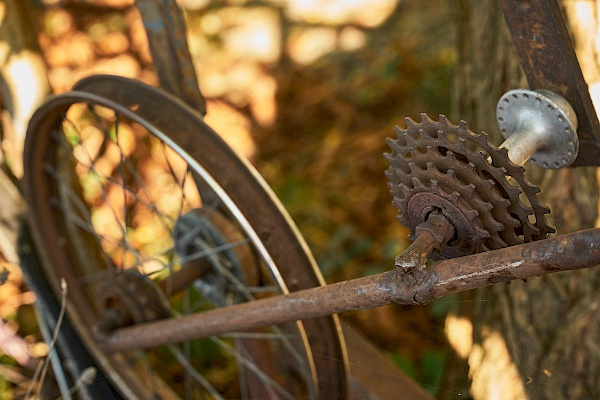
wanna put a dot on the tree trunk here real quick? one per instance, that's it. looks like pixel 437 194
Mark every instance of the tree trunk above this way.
pixel 536 339
pixel 23 79
pixel 23 86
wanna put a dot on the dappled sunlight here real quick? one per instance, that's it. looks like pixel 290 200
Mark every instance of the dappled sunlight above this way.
pixel 584 20
pixel 255 36
pixel 296 86
pixel 368 13
pixel 250 38
pixel 24 67
pixel 233 126
pixel 595 93
pixel 459 331
pixel 493 373
pixel 110 44
pixel 233 46
pixel 352 39
pixel 306 45
pixel 10 292
pixel 18 337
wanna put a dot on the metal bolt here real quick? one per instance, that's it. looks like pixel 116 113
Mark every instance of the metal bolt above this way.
pixel 539 126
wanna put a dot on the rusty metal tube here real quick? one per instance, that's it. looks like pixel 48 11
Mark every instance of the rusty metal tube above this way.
pixel 356 294
pixel 368 292
pixel 431 235
pixel 568 252
pixel 572 251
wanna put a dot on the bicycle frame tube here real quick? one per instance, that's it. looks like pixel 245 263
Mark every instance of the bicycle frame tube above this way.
pixel 167 36
pixel 573 251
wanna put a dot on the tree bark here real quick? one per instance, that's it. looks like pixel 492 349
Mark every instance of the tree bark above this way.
pixel 23 86
pixel 536 339
pixel 23 79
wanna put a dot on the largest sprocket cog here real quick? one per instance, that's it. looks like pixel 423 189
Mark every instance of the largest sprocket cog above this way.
pixel 439 165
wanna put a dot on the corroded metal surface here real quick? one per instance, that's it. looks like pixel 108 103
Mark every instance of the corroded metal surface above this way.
pixel 544 46
pixel 357 294
pixel 127 298
pixel 165 28
pixel 173 121
pixel 439 165
pixel 572 251
pixel 431 235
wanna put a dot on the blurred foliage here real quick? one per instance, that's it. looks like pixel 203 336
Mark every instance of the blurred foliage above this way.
pixel 439 308
pixel 310 97
pixel 428 370
pixel 323 156
pixel 18 319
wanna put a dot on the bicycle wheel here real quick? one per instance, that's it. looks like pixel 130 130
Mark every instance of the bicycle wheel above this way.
pixel 147 214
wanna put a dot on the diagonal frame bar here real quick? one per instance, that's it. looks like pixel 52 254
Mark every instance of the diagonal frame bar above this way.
pixel 167 36
pixel 541 38
pixel 572 251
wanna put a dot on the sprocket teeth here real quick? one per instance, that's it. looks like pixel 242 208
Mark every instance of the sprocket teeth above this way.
pixel 500 201
pixel 450 154
pixel 442 120
pixel 426 120
pixel 471 216
pixel 471 167
pixel 503 152
pixel 460 147
pixel 413 168
pixel 480 159
pixel 546 210
pixel 454 199
pixel 497 243
pixel 470 189
pixel 462 125
pixel 390 174
pixel 482 233
pixel 484 136
pixel 413 150
pixel 448 158
pixel 398 203
pixel 409 139
pixel 410 122
pixel 418 185
pixel 483 205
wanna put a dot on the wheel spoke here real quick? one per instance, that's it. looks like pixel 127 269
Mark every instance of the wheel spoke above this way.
pixel 155 227
pixel 272 386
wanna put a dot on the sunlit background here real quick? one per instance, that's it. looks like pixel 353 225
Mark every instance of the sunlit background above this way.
pixel 308 90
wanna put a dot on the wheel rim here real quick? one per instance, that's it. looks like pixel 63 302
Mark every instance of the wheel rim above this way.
pixel 56 232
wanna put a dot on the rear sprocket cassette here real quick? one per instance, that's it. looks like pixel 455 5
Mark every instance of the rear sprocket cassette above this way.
pixel 439 165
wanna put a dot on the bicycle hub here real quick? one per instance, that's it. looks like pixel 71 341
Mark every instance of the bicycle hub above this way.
pixel 436 165
pixel 539 126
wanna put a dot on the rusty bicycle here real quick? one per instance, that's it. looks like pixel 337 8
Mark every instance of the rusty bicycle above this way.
pixel 179 261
